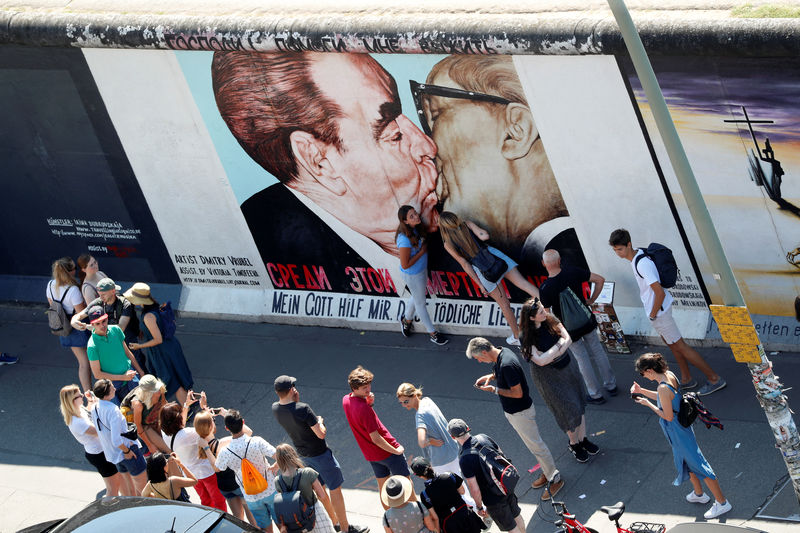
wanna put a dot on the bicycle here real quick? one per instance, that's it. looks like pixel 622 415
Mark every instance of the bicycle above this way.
pixel 570 524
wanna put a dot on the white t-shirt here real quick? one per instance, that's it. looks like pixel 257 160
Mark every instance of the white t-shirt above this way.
pixel 186 445
pixel 78 426
pixel 257 453
pixel 649 275
pixel 73 298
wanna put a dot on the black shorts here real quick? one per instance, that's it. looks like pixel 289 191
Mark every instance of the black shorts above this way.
pixel 505 512
pixel 98 460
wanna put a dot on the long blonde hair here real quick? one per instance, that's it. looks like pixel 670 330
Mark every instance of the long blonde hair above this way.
pixel 62 269
pixel 286 457
pixel 203 425
pixel 456 233
pixel 67 406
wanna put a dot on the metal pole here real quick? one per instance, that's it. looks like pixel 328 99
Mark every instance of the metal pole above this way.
pixel 768 388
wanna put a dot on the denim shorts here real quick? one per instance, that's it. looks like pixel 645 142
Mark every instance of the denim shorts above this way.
pixel 392 465
pixel 123 388
pixel 76 339
pixel 263 511
pixel 135 465
pixel 231 495
pixel 326 465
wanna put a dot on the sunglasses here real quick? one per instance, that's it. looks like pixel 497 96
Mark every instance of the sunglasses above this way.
pixel 420 89
pixel 405 402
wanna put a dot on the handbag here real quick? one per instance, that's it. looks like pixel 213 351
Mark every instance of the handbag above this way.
pixel 131 433
pixel 687 412
pixel 560 362
pixel 490 266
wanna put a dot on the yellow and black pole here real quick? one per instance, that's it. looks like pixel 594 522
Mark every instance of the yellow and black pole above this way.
pixel 733 318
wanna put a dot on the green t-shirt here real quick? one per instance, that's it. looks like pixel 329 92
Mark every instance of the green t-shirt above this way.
pixel 109 351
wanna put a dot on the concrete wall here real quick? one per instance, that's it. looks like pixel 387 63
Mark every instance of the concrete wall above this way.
pixel 131 155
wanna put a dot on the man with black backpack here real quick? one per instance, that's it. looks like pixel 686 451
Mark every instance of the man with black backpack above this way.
pixel 480 459
pixel 562 291
pixel 649 266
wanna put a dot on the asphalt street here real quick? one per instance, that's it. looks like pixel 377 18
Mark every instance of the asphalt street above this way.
pixel 44 475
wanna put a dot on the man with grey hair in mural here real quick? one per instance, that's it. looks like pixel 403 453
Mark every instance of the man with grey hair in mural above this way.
pixel 330 129
pixel 511 387
pixel 476 111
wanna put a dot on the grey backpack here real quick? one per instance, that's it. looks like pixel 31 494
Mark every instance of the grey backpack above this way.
pixel 57 316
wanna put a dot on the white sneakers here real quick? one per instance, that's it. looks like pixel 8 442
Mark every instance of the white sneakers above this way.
pixel 694 498
pixel 511 340
pixel 718 509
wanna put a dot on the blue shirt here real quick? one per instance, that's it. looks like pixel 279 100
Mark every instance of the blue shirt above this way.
pixel 421 264
pixel 431 418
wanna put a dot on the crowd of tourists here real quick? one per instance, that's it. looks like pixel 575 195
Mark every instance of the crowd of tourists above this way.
pixel 131 365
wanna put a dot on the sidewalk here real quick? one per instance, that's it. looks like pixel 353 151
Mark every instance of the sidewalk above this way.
pixel 43 474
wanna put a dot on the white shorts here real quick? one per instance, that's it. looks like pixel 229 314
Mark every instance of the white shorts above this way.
pixel 665 325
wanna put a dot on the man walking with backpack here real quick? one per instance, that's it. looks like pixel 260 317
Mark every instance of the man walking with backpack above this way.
pixel 657 303
pixel 247 457
pixel 483 482
pixel 563 292
pixel 308 432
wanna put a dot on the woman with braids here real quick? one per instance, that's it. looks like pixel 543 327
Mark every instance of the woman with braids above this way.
pixel 544 346
pixel 77 419
pixel 444 497
pixel 464 240
pixel 689 460
pixel 413 251
pixel 64 288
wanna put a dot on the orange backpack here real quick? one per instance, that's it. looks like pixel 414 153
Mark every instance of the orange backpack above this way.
pixel 252 480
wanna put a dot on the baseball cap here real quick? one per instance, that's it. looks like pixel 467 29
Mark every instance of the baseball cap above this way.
pixel 95 313
pixel 284 383
pixel 457 427
pixel 419 465
pixel 107 284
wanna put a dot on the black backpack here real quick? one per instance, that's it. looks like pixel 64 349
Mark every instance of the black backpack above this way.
pixel 665 263
pixel 291 509
pixel 501 475
pixel 574 313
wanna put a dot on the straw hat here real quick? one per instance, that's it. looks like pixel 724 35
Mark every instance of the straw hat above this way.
pixel 139 294
pixel 396 491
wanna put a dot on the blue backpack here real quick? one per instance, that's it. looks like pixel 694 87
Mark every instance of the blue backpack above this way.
pixel 167 320
pixel 291 509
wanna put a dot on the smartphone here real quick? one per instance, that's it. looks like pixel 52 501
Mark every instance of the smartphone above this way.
pixel 218 411
pixel 635 395
pixel 196 395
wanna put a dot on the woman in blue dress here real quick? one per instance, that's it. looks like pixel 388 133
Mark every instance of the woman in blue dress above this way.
pixel 689 460
pixel 164 355
pixel 463 239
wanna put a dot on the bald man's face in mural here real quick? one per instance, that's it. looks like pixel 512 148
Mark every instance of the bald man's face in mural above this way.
pixel 493 169
pixel 384 162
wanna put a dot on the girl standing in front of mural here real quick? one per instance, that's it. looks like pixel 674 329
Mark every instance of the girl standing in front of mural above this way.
pixel 544 345
pixel 689 459
pixel 64 289
pixel 465 241
pixel 89 275
pixel 413 250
